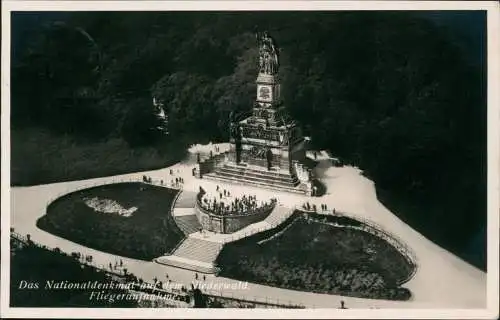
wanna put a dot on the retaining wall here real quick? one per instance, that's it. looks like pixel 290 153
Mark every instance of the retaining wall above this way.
pixel 229 223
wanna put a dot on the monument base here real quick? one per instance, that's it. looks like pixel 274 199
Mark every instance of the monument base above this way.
pixel 259 177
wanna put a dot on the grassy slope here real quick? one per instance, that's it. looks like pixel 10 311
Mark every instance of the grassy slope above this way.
pixel 321 263
pixel 39 157
pixel 68 269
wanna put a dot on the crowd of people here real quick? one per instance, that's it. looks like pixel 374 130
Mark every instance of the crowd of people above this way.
pixel 312 207
pixel 176 182
pixel 224 204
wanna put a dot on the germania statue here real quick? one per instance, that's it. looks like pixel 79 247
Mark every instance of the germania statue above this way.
pixel 268 54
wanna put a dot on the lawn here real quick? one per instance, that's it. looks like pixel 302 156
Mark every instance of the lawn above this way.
pixel 311 255
pixel 39 157
pixel 144 229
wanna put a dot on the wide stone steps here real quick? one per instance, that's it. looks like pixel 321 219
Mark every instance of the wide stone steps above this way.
pixel 254 182
pixel 198 249
pixel 252 170
pixel 188 223
pixel 266 180
pixel 259 175
pixel 174 261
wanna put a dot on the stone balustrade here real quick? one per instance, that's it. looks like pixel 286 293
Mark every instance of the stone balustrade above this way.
pixel 230 223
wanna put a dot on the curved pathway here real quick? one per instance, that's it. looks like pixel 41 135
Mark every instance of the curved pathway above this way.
pixel 441 281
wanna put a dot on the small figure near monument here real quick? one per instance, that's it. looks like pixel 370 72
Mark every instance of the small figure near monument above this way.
pixel 269 158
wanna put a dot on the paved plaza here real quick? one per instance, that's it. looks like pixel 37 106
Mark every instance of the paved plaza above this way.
pixel 441 281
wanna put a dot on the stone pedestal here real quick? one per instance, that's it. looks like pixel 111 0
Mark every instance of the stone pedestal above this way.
pixel 266 144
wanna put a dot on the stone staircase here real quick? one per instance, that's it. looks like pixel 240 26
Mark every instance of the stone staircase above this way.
pixel 193 254
pixel 198 249
pixel 198 254
pixel 188 223
pixel 259 178
pixel 174 261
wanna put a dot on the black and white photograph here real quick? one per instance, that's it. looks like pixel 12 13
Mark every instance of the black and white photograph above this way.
pixel 296 158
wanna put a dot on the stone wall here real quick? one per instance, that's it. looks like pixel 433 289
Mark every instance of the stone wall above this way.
pixel 208 165
pixel 229 223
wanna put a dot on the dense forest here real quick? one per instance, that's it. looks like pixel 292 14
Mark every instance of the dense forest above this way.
pixel 396 93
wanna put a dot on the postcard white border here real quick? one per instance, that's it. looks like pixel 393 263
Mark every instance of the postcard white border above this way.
pixel 493 77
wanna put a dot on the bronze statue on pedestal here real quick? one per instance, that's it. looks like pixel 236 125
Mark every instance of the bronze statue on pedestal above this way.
pixel 268 55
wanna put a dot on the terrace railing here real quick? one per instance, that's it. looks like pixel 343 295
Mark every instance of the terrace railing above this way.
pixel 255 300
pixel 379 231
pixel 172 250
pixel 265 209
pixel 158 182
pixel 177 296
pixel 119 272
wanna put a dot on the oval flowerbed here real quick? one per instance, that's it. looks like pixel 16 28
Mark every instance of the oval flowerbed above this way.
pixel 127 219
pixel 313 254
